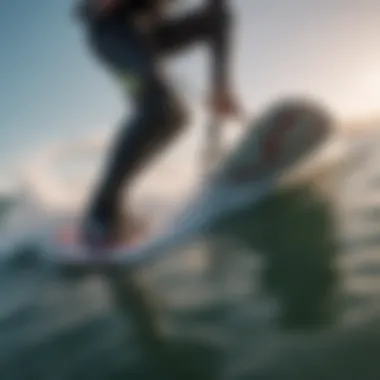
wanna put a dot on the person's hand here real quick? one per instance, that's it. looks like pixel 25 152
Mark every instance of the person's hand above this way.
pixel 224 104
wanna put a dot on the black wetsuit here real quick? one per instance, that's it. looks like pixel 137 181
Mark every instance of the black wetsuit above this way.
pixel 132 56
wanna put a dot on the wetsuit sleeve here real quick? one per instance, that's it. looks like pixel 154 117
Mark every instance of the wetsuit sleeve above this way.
pixel 220 45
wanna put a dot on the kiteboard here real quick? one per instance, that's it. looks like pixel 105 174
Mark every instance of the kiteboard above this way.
pixel 279 139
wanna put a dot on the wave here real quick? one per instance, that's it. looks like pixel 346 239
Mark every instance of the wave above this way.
pixel 46 195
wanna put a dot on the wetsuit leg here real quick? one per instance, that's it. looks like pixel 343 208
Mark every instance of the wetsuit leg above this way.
pixel 158 114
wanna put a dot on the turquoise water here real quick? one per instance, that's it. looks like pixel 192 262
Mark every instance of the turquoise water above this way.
pixel 231 321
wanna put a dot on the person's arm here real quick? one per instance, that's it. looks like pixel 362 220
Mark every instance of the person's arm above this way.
pixel 223 101
pixel 220 46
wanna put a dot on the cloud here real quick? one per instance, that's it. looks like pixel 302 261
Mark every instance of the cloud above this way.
pixel 61 174
pixel 40 174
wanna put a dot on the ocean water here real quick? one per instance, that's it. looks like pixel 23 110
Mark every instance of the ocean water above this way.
pixel 306 307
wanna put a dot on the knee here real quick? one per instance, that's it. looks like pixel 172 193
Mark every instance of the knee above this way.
pixel 178 114
pixel 220 18
pixel 165 109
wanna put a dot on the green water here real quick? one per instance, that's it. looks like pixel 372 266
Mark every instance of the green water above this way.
pixel 281 314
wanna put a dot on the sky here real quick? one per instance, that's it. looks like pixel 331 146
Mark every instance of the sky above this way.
pixel 51 88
